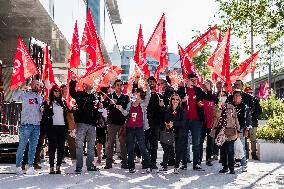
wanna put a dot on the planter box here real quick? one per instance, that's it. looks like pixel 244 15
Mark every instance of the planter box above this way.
pixel 269 151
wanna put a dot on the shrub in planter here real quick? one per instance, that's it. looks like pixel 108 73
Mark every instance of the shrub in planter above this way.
pixel 274 130
pixel 271 107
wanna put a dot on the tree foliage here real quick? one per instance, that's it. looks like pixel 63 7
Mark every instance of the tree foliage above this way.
pixel 264 17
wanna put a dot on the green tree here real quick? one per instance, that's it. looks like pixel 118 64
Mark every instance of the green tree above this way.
pixel 254 18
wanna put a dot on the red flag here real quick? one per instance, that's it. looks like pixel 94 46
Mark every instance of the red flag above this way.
pixel 157 47
pixel 176 79
pixel 47 75
pixel 89 34
pixel 266 90
pixel 134 71
pixel 200 42
pixel 187 66
pixel 248 66
pixel 74 59
pixel 261 90
pixel 219 62
pixel 226 63
pixel 91 44
pixel 140 54
pixel 24 66
pixel 214 77
pixel 69 100
pixel 101 75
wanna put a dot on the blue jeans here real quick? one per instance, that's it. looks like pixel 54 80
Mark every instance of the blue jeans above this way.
pixel 195 129
pixel 138 133
pixel 28 133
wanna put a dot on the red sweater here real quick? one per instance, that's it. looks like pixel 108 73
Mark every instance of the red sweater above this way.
pixel 135 117
pixel 191 110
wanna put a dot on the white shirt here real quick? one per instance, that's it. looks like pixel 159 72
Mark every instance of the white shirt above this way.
pixel 58 117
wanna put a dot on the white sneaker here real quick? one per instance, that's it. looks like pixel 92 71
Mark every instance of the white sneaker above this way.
pixel 176 171
pixel 146 171
pixel 244 169
pixel 138 160
pixel 31 171
pixel 19 171
pixel 149 170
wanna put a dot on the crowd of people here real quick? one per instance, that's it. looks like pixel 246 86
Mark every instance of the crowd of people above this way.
pixel 153 113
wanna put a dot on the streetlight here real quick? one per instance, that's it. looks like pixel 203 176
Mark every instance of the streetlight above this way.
pixel 270 59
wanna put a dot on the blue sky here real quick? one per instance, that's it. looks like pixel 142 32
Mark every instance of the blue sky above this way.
pixel 182 16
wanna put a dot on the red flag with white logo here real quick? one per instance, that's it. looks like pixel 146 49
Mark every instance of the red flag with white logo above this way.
pixel 187 66
pixel 69 100
pixel 266 90
pixel 101 75
pixel 194 47
pixel 140 54
pixel 91 44
pixel 89 34
pixel 24 66
pixel 261 90
pixel 74 59
pixel 219 62
pixel 157 47
pixel 246 67
pixel 134 71
pixel 175 78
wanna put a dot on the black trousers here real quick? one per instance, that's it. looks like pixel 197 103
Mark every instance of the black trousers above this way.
pixel 152 136
pixel 205 133
pixel 227 153
pixel 56 135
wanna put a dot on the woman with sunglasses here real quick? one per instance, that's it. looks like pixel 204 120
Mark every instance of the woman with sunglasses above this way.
pixel 175 122
pixel 54 116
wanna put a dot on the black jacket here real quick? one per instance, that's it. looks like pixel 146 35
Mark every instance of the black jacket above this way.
pixel 47 114
pixel 246 98
pixel 179 121
pixel 115 116
pixel 86 112
pixel 155 113
pixel 200 96
pixel 244 115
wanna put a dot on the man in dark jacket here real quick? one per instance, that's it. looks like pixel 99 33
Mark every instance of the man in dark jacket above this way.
pixel 244 118
pixel 255 116
pixel 246 98
pixel 156 121
pixel 86 117
pixel 116 126
pixel 193 97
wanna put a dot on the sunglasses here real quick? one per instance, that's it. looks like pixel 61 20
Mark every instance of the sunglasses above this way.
pixel 119 84
pixel 176 99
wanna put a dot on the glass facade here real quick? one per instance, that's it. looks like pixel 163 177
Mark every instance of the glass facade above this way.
pixel 64 14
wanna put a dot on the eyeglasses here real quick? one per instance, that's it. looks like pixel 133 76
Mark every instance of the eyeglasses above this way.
pixel 57 91
pixel 175 99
